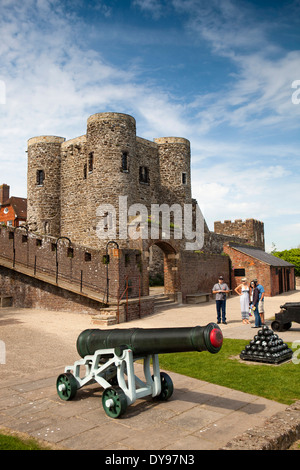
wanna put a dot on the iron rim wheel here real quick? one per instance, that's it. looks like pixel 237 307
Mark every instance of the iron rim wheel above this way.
pixel 114 402
pixel 66 386
pixel 276 326
pixel 166 387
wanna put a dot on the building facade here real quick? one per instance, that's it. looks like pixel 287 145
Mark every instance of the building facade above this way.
pixel 69 180
pixel 13 210
pixel 275 274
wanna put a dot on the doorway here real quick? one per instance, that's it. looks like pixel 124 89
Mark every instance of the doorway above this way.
pixel 163 270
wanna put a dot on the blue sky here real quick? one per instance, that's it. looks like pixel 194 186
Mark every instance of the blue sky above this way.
pixel 218 73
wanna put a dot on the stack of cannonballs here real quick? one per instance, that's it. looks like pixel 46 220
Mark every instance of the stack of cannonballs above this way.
pixel 266 347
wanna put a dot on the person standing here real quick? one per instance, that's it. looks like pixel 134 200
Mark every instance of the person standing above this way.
pixel 243 291
pixel 261 303
pixel 254 304
pixel 220 289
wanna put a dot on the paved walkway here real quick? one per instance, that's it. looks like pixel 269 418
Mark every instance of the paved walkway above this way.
pixel 200 415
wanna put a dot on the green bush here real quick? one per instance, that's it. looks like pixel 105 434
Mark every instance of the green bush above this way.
pixel 292 256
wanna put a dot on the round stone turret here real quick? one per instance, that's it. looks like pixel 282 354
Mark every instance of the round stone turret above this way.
pixel 43 184
pixel 111 163
pixel 175 173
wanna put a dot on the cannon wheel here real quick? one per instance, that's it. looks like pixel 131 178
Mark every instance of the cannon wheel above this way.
pixel 166 387
pixel 276 326
pixel 114 402
pixel 66 386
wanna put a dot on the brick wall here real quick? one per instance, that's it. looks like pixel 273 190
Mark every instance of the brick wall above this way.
pixel 199 272
pixel 28 292
pixel 34 253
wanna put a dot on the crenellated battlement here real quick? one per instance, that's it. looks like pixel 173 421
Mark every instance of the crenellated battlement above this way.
pixel 251 230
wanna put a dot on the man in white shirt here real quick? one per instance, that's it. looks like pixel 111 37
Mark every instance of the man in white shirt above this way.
pixel 220 289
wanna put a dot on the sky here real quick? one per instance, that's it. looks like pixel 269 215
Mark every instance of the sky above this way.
pixel 224 74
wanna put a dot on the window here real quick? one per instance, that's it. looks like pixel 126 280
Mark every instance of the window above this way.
pixel 85 171
pixel 40 176
pixel 125 162
pixel 105 259
pixel 144 175
pixel 91 161
pixel 87 256
pixel 6 210
pixel 24 238
pixel 183 178
pixel 70 252
pixel 239 272
pixel 47 227
pixel 38 242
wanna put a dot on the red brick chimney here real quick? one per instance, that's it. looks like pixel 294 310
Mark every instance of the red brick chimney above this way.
pixel 4 193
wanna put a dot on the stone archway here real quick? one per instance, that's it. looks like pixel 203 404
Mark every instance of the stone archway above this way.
pixel 169 268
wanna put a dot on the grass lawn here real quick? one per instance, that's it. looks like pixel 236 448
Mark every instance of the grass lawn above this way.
pixel 275 382
pixel 9 442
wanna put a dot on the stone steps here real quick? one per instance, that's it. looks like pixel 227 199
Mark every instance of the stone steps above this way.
pixel 162 301
pixel 108 316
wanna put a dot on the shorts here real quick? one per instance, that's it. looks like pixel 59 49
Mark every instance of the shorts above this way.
pixel 261 306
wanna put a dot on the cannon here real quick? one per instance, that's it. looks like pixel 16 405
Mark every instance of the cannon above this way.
pixel 289 312
pixel 108 357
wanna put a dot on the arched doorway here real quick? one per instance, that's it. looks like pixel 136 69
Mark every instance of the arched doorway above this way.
pixel 163 269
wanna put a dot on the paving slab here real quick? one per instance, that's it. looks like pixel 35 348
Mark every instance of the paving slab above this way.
pixel 199 415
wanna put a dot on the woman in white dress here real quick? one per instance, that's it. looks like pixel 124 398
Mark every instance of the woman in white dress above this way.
pixel 243 291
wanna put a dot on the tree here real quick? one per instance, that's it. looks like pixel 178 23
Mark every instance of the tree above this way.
pixel 292 256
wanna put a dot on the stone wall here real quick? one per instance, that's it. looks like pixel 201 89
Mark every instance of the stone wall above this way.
pixel 251 230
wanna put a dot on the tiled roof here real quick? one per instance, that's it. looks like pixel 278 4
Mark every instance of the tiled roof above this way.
pixel 19 205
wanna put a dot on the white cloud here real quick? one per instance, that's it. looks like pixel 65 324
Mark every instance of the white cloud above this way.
pixel 54 82
pixel 153 7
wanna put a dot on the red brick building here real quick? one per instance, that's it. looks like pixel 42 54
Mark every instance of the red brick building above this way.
pixel 275 274
pixel 13 210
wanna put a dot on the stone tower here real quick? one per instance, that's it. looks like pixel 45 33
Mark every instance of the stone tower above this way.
pixel 69 182
pixel 43 184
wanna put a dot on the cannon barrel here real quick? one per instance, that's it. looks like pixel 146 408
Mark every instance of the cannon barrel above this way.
pixel 152 340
